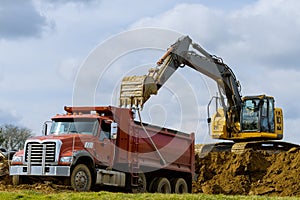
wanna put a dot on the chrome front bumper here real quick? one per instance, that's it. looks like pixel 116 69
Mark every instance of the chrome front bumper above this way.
pixel 24 170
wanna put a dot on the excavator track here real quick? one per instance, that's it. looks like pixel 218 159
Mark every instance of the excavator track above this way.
pixel 271 147
pixel 239 148
pixel 203 150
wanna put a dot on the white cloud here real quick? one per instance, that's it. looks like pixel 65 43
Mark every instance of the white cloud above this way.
pixel 291 133
pixel 196 20
pixel 8 117
pixel 67 69
pixel 264 32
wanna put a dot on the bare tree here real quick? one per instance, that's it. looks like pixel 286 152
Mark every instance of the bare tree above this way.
pixel 13 137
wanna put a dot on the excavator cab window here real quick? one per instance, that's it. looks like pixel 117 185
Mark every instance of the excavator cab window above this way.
pixel 271 115
pixel 250 115
pixel 258 115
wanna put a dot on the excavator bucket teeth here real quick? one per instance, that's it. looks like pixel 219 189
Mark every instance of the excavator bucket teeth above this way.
pixel 136 90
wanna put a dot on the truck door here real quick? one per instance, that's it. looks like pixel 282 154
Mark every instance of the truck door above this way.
pixel 105 147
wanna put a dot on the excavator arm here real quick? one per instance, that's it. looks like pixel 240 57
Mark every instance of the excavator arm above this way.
pixel 136 90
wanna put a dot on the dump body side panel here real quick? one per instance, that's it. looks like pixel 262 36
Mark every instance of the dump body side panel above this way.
pixel 175 147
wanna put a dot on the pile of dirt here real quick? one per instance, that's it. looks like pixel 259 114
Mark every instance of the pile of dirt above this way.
pixel 250 173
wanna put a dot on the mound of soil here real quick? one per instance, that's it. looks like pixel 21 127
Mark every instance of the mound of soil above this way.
pixel 250 173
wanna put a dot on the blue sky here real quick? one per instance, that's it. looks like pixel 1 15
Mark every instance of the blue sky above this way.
pixel 43 45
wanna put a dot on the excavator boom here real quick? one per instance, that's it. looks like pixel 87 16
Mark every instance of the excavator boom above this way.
pixel 136 90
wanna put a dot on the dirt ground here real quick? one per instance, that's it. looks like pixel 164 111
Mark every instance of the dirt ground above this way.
pixel 250 173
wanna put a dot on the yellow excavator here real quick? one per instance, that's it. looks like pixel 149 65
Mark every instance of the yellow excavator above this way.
pixel 249 121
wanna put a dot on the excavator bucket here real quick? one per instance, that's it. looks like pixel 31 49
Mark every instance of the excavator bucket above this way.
pixel 136 90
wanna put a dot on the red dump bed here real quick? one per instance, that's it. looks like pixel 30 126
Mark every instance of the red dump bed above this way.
pixel 133 144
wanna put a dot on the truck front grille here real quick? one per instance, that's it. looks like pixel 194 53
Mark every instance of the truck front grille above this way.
pixel 36 152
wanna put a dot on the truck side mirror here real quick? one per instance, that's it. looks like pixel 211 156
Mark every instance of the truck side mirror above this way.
pixel 46 127
pixel 113 130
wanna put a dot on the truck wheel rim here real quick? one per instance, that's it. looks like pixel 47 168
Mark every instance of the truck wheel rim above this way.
pixel 142 184
pixel 81 180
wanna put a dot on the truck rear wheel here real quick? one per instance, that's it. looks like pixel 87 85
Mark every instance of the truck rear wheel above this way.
pixel 162 185
pixel 179 186
pixel 152 185
pixel 81 178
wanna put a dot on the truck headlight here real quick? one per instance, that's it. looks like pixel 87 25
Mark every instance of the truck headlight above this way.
pixel 16 159
pixel 66 159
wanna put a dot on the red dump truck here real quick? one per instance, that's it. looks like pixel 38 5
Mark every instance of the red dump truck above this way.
pixel 89 146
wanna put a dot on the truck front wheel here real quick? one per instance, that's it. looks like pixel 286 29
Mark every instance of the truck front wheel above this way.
pixel 81 178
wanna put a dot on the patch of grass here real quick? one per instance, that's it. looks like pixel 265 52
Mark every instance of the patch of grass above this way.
pixel 32 194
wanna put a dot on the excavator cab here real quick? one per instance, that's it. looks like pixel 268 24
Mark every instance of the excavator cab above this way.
pixel 257 114
pixel 259 119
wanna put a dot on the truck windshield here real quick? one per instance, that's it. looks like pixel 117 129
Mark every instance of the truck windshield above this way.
pixel 78 126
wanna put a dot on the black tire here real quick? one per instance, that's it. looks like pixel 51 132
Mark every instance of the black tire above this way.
pixel 16 180
pixel 142 184
pixel 162 185
pixel 152 185
pixel 179 186
pixel 81 178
